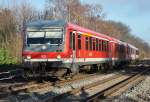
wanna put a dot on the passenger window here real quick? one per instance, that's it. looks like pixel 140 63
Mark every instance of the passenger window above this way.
pixel 116 47
pixel 93 44
pixel 86 42
pixel 71 42
pixel 74 41
pixel 90 43
pixel 107 46
pixel 104 45
pixel 79 41
pixel 100 45
pixel 97 43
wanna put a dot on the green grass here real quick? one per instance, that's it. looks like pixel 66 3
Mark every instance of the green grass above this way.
pixel 7 62
pixel 5 58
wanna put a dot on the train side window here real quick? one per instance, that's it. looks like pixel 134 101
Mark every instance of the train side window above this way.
pixel 123 49
pixel 106 47
pixel 103 45
pixel 79 41
pixel 93 44
pixel 87 43
pixel 116 47
pixel 127 50
pixel 71 42
pixel 97 43
pixel 74 45
pixel 100 45
pixel 137 52
pixel 120 48
pixel 90 43
pixel 107 44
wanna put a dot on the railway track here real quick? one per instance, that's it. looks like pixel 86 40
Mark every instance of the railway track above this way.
pixel 117 88
pixel 11 74
pixel 33 86
pixel 68 90
pixel 47 87
pixel 76 90
pixel 9 84
pixel 100 89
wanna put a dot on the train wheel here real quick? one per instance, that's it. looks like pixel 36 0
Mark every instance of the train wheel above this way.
pixel 75 69
pixel 104 68
pixel 98 67
pixel 71 72
pixel 87 69
pixel 42 70
pixel 28 74
pixel 67 74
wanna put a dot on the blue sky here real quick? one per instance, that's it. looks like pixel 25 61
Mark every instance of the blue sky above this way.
pixel 134 13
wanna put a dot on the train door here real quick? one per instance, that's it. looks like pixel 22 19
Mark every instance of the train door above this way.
pixel 73 44
pixel 79 49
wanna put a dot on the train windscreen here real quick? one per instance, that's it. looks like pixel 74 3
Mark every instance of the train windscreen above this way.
pixel 49 39
pixel 48 36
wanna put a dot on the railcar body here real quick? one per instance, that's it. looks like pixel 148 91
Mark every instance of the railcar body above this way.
pixel 57 45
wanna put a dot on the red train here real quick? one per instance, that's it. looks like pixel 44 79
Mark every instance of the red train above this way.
pixel 55 45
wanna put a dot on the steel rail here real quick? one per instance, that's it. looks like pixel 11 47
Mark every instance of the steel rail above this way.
pixel 108 91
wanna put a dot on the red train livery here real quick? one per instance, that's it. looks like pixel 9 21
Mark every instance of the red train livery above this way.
pixel 56 44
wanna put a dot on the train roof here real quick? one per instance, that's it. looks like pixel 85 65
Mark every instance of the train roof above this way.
pixel 84 30
pixel 133 47
pixel 63 23
pixel 46 23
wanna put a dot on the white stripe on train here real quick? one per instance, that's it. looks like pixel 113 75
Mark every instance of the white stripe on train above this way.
pixel 69 60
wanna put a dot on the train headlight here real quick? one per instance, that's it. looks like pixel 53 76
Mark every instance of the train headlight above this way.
pixel 28 57
pixel 44 47
pixel 58 57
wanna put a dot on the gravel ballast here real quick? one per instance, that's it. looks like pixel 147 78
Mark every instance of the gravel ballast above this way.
pixel 138 93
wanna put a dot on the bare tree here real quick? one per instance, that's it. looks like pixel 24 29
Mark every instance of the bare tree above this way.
pixel 10 18
pixel 24 12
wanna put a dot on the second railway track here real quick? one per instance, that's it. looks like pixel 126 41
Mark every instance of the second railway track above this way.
pixel 98 90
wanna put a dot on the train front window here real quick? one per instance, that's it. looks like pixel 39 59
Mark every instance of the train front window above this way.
pixel 35 37
pixel 49 36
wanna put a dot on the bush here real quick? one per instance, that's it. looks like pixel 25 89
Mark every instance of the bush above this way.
pixel 5 58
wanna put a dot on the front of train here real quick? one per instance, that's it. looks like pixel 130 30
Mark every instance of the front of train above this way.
pixel 43 44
